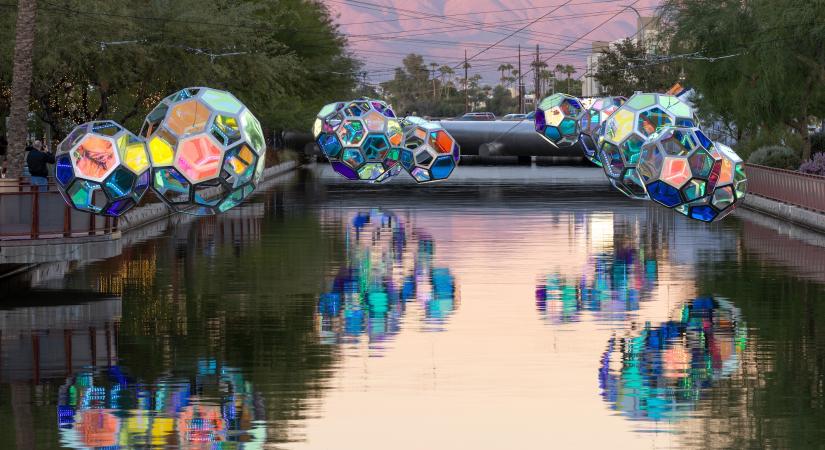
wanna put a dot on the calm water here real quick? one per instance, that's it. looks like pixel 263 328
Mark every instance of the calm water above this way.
pixel 539 310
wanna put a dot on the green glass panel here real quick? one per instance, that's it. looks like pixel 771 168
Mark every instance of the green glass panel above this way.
pixel 221 101
pixel 641 101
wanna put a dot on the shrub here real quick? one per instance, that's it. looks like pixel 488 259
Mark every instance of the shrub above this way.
pixel 815 165
pixel 775 156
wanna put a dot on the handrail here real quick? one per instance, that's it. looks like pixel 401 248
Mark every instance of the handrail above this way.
pixel 799 189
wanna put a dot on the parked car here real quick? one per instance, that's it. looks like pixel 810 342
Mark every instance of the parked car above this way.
pixel 478 116
pixel 514 117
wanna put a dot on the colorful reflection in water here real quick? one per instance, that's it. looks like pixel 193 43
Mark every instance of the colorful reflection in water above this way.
pixel 216 409
pixel 612 285
pixel 390 266
pixel 661 372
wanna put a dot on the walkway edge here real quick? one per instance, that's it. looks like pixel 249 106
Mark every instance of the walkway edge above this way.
pixel 784 211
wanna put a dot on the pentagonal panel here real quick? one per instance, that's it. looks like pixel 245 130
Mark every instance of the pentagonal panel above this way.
pixel 612 160
pixel 119 184
pixel 330 145
pixel 94 157
pixel 199 158
pixel 619 125
pixel 171 185
pixel 353 157
pixel 663 193
pixel 226 129
pixel 375 147
pixel 162 148
pixel 652 120
pixel 239 165
pixel 676 171
pixel 375 122
pixel 253 132
pixel 222 101
pixel 133 153
pixel 441 141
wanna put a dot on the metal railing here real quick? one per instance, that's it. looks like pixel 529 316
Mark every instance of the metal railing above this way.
pixel 28 213
pixel 787 186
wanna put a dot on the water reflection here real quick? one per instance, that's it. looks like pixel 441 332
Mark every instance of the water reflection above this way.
pixel 660 373
pixel 612 284
pixel 389 267
pixel 107 409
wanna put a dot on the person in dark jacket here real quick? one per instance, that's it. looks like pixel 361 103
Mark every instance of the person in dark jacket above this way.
pixel 37 160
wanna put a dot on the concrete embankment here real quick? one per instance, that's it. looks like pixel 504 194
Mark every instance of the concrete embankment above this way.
pixel 786 212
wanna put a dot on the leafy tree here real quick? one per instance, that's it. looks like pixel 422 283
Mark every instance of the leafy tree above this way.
pixel 759 64
pixel 623 70
pixel 115 59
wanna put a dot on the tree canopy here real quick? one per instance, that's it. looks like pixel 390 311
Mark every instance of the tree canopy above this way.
pixel 759 64
pixel 116 58
pixel 623 70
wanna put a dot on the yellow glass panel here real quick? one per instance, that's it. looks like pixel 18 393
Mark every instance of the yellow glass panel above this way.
pixel 316 128
pixel 620 125
pixel 554 116
pixel 135 157
pixel 162 427
pixel 160 151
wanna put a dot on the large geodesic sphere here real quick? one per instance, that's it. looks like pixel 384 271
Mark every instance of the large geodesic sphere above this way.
pixel 591 122
pixel 102 168
pixel 430 153
pixel 361 139
pixel 207 150
pixel 557 119
pixel 683 170
pixel 623 133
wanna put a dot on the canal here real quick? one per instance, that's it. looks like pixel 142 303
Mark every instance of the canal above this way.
pixel 511 307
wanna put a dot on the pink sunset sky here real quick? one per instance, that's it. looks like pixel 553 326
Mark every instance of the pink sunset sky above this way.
pixel 382 32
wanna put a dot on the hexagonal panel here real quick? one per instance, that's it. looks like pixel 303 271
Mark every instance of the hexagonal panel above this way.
pixel 199 158
pixel 87 196
pixel 345 170
pixel 420 175
pixel 119 207
pixel 441 141
pixel 652 120
pixel 633 183
pixel 394 133
pixel 552 133
pixel 619 125
pixel 675 106
pixel 423 158
pixel 554 116
pixel 352 132
pixel 187 117
pixel 133 153
pixel 723 197
pixel 119 184
pixel 442 167
pixel 703 212
pixel 106 128
pixel 94 157
pixel 375 147
pixel 221 101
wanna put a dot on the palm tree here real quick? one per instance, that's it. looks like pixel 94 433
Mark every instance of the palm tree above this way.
pixel 502 68
pixel 446 72
pixel 569 70
pixel 433 66
pixel 21 84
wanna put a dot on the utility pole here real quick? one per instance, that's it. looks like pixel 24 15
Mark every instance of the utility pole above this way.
pixel 537 76
pixel 520 84
pixel 466 82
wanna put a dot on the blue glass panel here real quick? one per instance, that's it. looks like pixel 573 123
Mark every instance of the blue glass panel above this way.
pixel 704 213
pixel 664 194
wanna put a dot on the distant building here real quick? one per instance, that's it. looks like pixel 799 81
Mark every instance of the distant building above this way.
pixel 647 34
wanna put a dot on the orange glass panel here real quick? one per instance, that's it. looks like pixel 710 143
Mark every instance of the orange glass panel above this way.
pixel 94 158
pixel 188 117
pixel 676 171
pixel 199 159
pixel 443 142
pixel 726 174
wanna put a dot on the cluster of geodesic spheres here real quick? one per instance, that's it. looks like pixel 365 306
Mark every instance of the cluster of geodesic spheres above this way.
pixel 364 140
pixel 683 169
pixel 201 150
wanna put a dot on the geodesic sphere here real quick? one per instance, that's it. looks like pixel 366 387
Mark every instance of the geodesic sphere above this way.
pixel 623 133
pixel 591 121
pixel 557 119
pixel 683 170
pixel 361 139
pixel 430 153
pixel 207 150
pixel 102 168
